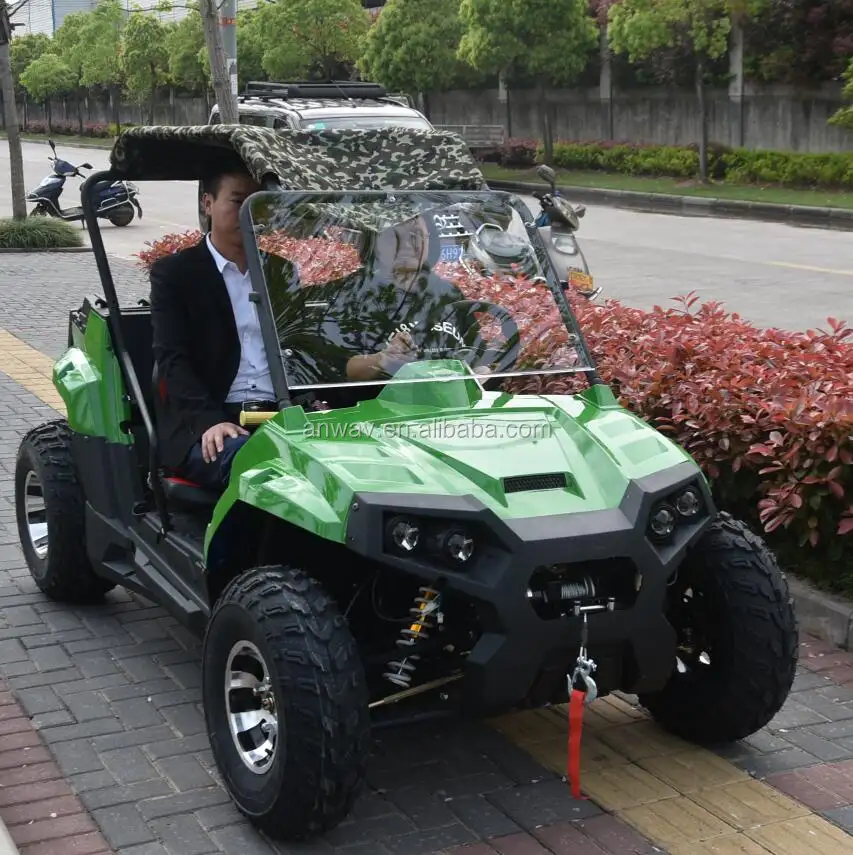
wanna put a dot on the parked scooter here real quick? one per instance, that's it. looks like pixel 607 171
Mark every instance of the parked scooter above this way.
pixel 116 201
pixel 558 221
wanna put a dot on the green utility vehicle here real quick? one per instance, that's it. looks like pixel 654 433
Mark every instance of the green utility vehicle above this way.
pixel 446 507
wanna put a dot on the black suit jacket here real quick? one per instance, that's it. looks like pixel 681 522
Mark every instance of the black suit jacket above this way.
pixel 196 348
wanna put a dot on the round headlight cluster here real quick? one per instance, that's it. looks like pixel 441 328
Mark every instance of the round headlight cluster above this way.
pixel 665 516
pixel 452 543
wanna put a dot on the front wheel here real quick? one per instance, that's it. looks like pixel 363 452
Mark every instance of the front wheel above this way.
pixel 285 702
pixel 737 639
pixel 50 510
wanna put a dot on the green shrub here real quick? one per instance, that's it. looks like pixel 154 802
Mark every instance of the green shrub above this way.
pixel 744 166
pixel 38 233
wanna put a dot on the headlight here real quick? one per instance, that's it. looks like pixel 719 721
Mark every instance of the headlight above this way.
pixel 662 522
pixel 565 244
pixel 688 503
pixel 404 535
pixel 458 546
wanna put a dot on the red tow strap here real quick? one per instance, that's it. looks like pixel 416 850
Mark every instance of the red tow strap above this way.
pixel 576 703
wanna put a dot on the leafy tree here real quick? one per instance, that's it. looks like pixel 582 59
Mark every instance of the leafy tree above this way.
pixel 144 59
pixel 800 42
pixel 23 50
pixel 548 40
pixel 189 67
pixel 250 50
pixel 844 117
pixel 639 27
pixel 310 38
pixel 45 78
pixel 413 46
pixel 69 45
pixel 99 49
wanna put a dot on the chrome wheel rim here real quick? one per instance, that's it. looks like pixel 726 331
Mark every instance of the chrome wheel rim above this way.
pixel 251 708
pixel 36 514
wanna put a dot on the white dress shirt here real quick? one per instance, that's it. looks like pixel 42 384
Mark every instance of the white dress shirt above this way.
pixel 253 381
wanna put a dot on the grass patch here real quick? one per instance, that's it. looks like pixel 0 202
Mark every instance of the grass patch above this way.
pixel 678 187
pixel 38 233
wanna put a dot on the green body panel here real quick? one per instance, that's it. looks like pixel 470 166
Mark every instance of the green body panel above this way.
pixel 89 380
pixel 447 438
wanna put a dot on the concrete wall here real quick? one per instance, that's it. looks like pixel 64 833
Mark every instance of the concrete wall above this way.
pixel 770 118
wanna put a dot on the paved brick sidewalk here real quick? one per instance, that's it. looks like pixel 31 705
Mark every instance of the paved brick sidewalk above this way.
pixel 100 724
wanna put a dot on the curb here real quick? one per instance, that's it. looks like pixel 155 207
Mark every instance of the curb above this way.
pixel 7 844
pixel 826 616
pixel 5 249
pixel 694 206
pixel 58 139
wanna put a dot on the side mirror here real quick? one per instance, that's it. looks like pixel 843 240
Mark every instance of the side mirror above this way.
pixel 50 143
pixel 86 165
pixel 547 174
pixel 580 210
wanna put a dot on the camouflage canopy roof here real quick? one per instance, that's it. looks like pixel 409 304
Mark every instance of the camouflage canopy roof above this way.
pixel 331 159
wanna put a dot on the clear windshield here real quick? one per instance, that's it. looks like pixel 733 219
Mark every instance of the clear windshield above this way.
pixel 365 288
pixel 359 120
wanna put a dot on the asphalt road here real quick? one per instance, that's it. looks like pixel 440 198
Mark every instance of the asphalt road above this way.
pixel 773 275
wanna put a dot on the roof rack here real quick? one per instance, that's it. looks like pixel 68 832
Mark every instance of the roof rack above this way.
pixel 309 89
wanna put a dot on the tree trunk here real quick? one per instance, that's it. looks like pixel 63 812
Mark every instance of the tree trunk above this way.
pixel 79 98
pixel 16 157
pixel 703 121
pixel 153 103
pixel 216 53
pixel 48 109
pixel 547 135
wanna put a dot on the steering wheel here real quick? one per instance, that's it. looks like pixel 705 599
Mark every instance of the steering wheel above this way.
pixel 448 338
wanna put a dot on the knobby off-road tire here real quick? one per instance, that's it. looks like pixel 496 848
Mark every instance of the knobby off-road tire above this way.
pixel 749 629
pixel 319 697
pixel 45 464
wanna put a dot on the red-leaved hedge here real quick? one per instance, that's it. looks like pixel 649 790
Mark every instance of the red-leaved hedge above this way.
pixel 766 413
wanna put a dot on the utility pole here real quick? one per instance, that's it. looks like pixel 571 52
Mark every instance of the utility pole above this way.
pixel 228 22
pixel 10 109
pixel 226 94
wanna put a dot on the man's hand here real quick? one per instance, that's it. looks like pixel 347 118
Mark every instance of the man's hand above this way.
pixel 213 439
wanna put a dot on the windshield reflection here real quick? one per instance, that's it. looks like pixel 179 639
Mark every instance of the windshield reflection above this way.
pixel 361 285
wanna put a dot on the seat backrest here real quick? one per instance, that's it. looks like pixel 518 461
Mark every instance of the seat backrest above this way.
pixel 139 339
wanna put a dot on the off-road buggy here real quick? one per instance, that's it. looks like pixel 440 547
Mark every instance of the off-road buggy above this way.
pixel 436 539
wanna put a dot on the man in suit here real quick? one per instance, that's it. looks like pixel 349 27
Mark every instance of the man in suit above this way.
pixel 207 341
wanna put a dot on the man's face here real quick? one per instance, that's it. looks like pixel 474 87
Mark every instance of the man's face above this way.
pixel 224 210
pixel 403 250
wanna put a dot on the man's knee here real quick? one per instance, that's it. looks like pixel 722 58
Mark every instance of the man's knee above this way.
pixel 216 473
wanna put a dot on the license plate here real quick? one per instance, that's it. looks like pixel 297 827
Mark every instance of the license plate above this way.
pixel 580 280
pixel 451 252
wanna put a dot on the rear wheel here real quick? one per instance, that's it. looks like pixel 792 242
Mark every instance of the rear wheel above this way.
pixel 122 216
pixel 285 702
pixel 50 510
pixel 737 639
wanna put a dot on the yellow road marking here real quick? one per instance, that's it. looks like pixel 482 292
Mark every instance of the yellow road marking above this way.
pixel 30 368
pixel 829 270
pixel 683 798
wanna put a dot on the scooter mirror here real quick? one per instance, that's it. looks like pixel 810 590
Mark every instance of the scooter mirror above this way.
pixel 546 173
pixel 53 147
pixel 86 165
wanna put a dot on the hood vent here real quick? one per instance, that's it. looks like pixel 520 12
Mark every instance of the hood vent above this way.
pixel 527 483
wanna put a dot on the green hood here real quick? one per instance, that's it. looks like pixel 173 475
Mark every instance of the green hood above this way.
pixel 449 439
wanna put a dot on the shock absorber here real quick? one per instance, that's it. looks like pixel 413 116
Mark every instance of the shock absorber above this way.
pixel 425 616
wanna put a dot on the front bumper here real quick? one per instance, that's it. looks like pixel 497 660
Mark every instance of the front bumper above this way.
pixel 521 658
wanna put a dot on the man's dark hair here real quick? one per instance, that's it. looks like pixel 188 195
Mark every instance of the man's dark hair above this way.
pixel 211 182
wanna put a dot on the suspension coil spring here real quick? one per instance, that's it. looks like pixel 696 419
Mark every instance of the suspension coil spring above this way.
pixel 577 590
pixel 425 616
